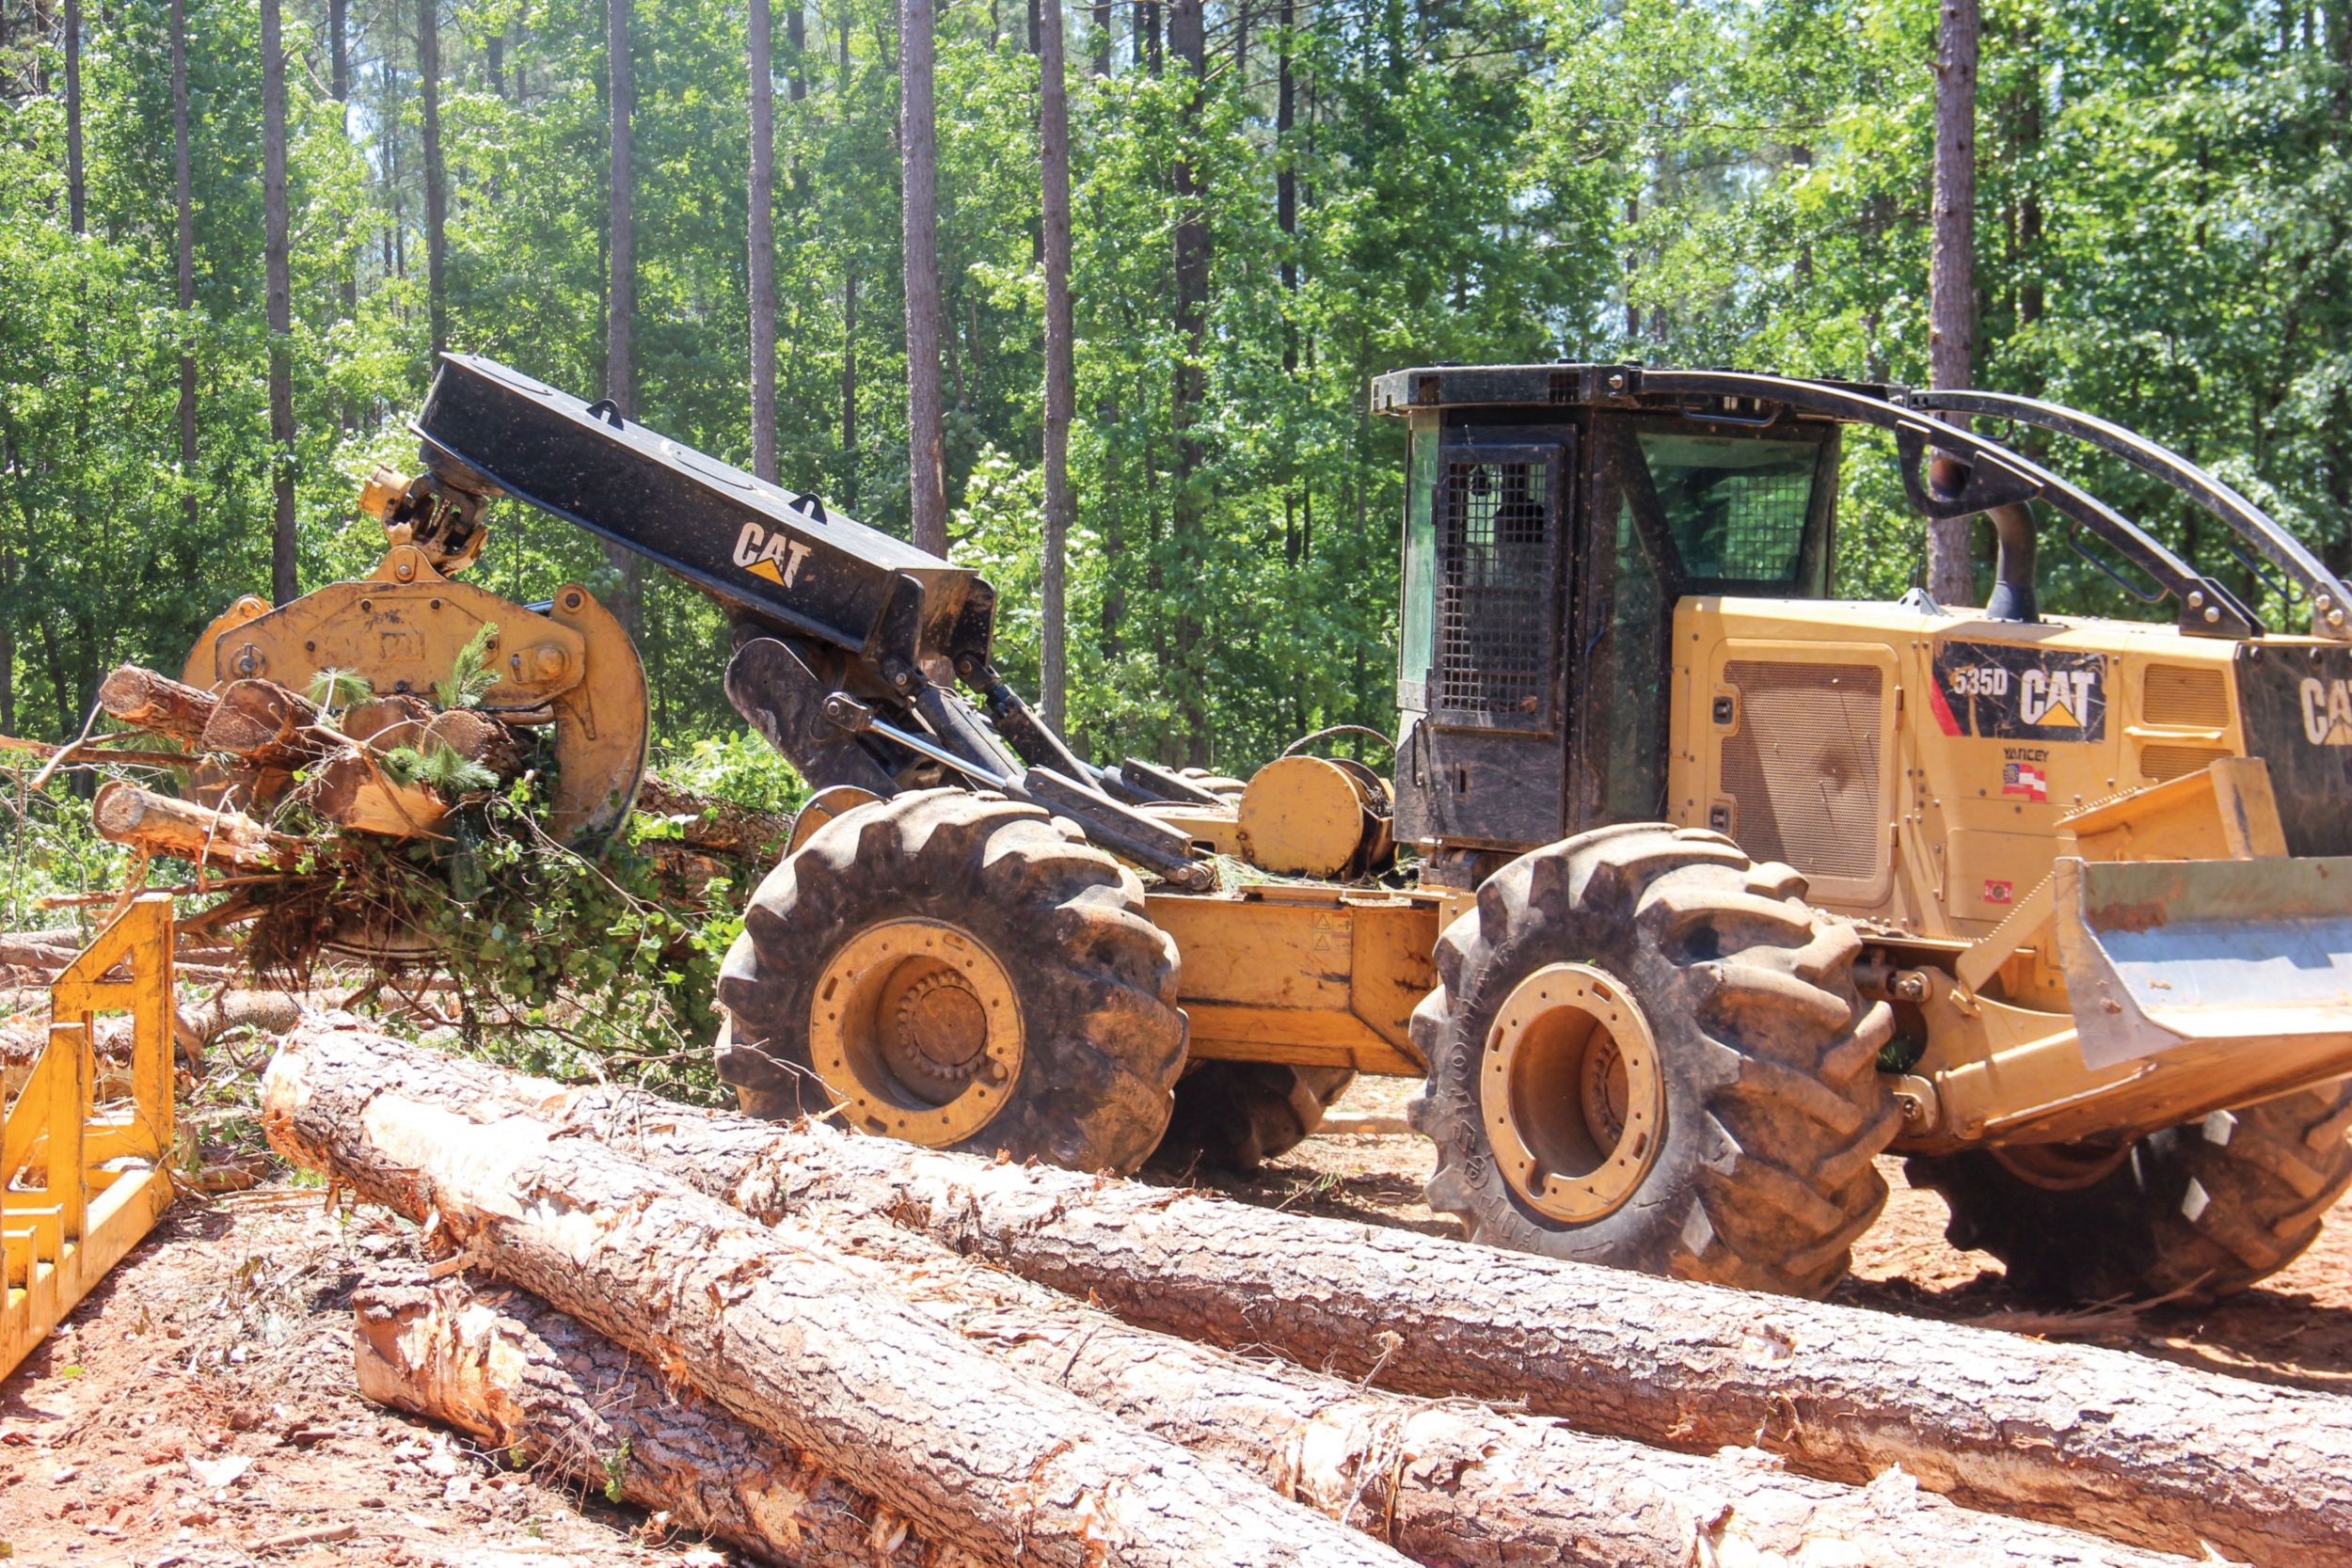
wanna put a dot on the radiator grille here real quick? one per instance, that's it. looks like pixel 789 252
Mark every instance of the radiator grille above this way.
pixel 1494 593
pixel 2162 762
pixel 2186 697
pixel 1802 768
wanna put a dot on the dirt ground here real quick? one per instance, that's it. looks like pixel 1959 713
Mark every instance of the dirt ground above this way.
pixel 199 1412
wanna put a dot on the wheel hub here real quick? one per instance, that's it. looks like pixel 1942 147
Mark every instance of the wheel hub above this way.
pixel 939 1033
pixel 915 1029
pixel 1571 1093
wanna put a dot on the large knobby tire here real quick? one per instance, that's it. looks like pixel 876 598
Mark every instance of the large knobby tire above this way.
pixel 2188 1213
pixel 1074 996
pixel 1236 1115
pixel 1766 1109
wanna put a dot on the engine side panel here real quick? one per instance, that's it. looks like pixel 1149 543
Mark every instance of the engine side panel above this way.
pixel 1916 765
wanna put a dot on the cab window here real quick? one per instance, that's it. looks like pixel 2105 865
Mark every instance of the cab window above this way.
pixel 1745 512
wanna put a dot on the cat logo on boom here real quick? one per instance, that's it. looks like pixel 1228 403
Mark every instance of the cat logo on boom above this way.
pixel 775 557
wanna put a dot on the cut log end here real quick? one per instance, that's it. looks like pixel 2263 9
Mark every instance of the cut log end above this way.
pixel 263 723
pixel 147 701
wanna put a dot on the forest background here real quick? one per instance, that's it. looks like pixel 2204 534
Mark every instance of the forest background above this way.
pixel 1271 202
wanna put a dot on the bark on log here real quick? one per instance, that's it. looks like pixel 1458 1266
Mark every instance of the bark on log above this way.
pixel 147 701
pixel 793 1342
pixel 1453 1484
pixel 2160 1456
pixel 164 825
pixel 721 826
pixel 507 1369
pixel 263 723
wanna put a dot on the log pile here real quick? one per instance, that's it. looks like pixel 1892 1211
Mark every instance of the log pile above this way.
pixel 999 1363
pixel 283 798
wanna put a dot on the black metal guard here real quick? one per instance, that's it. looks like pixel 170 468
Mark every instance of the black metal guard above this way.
pixel 2207 608
pixel 2330 599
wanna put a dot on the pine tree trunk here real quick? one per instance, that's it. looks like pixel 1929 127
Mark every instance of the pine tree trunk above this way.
pixel 76 196
pixel 339 67
pixel 927 478
pixel 799 1340
pixel 2096 1439
pixel 184 255
pixel 1187 42
pixel 1054 169
pixel 1951 272
pixel 520 1377
pixel 1103 38
pixel 762 241
pixel 278 291
pixel 620 317
pixel 7 643
pixel 436 182
pixel 1286 220
pixel 1453 1484
pixel 849 385
pixel 263 724
pixel 796 39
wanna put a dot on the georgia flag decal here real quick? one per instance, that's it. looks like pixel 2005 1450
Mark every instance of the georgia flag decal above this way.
pixel 2025 779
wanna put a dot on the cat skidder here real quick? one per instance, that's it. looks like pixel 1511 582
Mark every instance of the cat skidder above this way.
pixel 1718 889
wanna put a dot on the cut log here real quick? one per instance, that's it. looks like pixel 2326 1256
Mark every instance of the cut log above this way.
pixel 1450 1482
pixel 164 825
pixel 477 738
pixel 394 721
pixel 351 790
pixel 147 701
pixel 506 1368
pixel 794 1342
pixel 2160 1456
pixel 263 724
pixel 721 826
pixel 2157 1455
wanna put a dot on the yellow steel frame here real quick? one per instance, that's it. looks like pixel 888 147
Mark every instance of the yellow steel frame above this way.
pixel 1304 974
pixel 81 1185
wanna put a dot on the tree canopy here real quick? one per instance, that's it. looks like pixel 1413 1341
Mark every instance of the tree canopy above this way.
pixel 2164 237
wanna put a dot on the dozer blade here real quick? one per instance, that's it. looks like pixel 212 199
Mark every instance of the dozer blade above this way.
pixel 2165 954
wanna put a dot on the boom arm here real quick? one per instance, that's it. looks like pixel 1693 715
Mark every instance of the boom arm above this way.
pixel 847 641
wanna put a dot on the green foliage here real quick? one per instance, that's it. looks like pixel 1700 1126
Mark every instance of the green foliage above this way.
pixel 48 850
pixel 2164 237
pixel 470 675
pixel 616 1471
pixel 437 765
pixel 738 766
pixel 334 690
pixel 565 965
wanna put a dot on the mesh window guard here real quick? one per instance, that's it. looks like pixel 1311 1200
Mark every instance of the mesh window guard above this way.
pixel 1495 620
